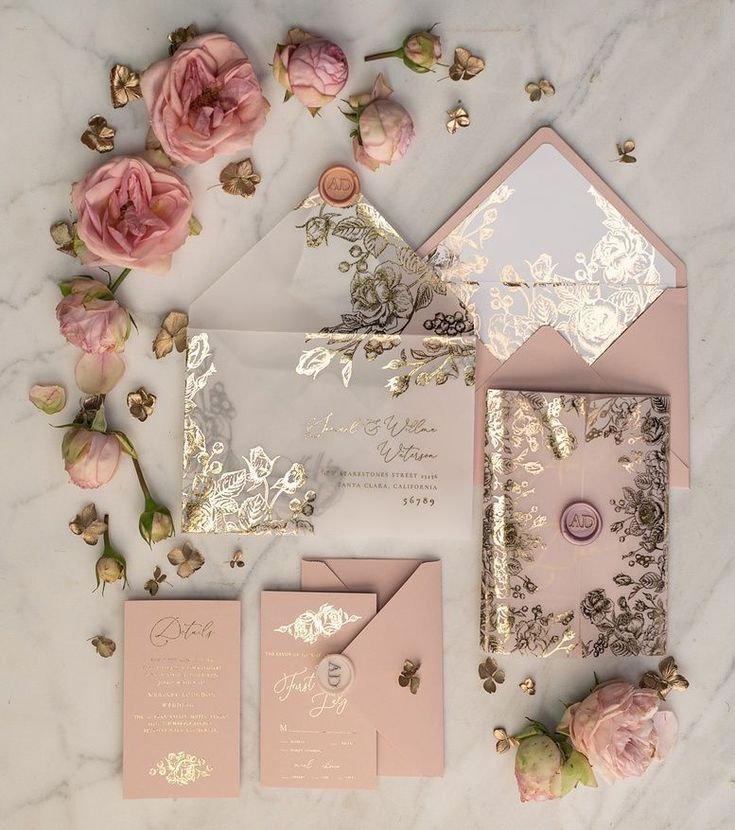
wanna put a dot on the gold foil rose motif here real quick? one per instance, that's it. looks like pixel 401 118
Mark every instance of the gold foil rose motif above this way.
pixel 182 768
pixel 309 626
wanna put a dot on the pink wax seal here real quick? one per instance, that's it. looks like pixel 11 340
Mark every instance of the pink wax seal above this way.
pixel 581 523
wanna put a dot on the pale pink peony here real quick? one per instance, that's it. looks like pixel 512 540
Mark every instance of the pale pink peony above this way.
pixel 620 729
pixel 204 100
pixel 311 68
pixel 132 214
pixel 90 457
pixel 385 129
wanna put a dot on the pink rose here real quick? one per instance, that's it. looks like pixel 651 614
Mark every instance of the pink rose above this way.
pixel 132 214
pixel 92 319
pixel 204 100
pixel 620 729
pixel 384 128
pixel 90 457
pixel 538 769
pixel 311 68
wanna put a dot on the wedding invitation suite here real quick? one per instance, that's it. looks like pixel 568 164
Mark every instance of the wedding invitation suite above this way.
pixel 330 381
pixel 181 720
pixel 575 524
pixel 310 736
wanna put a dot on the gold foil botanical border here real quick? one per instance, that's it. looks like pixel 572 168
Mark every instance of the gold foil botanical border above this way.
pixel 613 284
pixel 259 496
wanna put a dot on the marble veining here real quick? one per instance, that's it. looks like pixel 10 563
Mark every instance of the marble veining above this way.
pixel 658 71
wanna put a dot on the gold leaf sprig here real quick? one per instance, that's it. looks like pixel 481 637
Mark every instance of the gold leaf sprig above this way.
pixel 504 740
pixel 187 559
pixel 409 677
pixel 124 85
pixel 180 36
pixel 624 151
pixel 171 334
pixel 667 678
pixel 491 674
pixel 239 178
pixel 536 89
pixel 87 525
pixel 141 403
pixel 458 118
pixel 99 135
pixel 104 646
pixel 466 66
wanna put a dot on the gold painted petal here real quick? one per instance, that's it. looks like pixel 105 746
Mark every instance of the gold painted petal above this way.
pixel 239 178
pixel 415 683
pixel 151 587
pixel 141 403
pixel 99 136
pixel 180 36
pixel 489 686
pixel 546 87
pixel 172 333
pixel 403 680
pixel 124 85
pixel 458 117
pixel 499 676
pixel 104 646
pixel 466 66
pixel 176 556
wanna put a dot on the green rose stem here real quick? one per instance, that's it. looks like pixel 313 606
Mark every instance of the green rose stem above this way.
pixel 155 523
pixel 111 566
pixel 119 281
pixel 378 56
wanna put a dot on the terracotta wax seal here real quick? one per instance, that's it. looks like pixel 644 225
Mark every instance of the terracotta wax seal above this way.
pixel 339 186
pixel 581 523
pixel 335 673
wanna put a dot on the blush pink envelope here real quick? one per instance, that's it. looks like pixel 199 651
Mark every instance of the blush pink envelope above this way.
pixel 548 214
pixel 408 626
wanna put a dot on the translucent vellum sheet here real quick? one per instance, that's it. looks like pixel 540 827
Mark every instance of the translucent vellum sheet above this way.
pixel 541 593
pixel 278 439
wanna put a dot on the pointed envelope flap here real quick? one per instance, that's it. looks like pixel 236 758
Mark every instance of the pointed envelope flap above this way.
pixel 408 627
pixel 383 577
pixel 546 242
pixel 331 270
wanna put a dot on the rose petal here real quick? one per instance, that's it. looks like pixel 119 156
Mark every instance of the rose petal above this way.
pixel 49 399
pixel 667 730
pixel 97 374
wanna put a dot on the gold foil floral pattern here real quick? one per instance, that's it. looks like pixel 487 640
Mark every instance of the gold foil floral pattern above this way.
pixel 182 768
pixel 439 360
pixel 255 495
pixel 612 285
pixel 531 439
pixel 310 626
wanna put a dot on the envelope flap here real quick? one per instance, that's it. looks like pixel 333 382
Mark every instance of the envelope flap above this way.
pixel 408 627
pixel 383 577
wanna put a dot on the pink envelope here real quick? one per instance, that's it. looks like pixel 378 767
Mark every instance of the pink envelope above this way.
pixel 558 245
pixel 408 626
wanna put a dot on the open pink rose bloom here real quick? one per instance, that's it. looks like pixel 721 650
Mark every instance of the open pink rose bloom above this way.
pixel 311 68
pixel 204 100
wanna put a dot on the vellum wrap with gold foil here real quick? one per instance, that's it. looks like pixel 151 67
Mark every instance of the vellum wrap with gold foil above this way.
pixel 329 384
pixel 542 594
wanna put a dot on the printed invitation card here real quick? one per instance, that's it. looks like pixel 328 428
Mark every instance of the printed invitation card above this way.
pixel 310 734
pixel 181 721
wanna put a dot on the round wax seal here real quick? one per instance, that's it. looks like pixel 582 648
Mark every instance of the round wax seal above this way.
pixel 335 673
pixel 581 523
pixel 339 186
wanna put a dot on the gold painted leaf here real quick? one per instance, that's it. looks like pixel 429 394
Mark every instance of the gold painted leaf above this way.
pixel 99 135
pixel 458 118
pixel 239 178
pixel 180 36
pixel 87 525
pixel 466 66
pixel 141 403
pixel 624 151
pixel 172 333
pixel 104 646
pixel 124 85
pixel 536 89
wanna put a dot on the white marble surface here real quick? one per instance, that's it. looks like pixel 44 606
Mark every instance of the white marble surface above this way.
pixel 658 70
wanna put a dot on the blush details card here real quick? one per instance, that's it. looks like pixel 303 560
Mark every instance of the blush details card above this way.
pixel 181 722
pixel 310 736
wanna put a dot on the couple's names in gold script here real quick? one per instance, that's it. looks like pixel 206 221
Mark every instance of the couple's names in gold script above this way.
pixel 391 433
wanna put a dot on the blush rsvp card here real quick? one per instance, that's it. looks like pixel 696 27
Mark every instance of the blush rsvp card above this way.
pixel 181 721
pixel 310 736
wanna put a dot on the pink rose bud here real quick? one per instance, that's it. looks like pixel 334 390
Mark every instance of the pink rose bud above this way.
pixel 384 130
pixel 155 523
pixel 421 51
pixel 91 318
pixel 90 457
pixel 538 769
pixel 620 729
pixel 204 101
pixel 132 214
pixel 311 68
pixel 49 399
